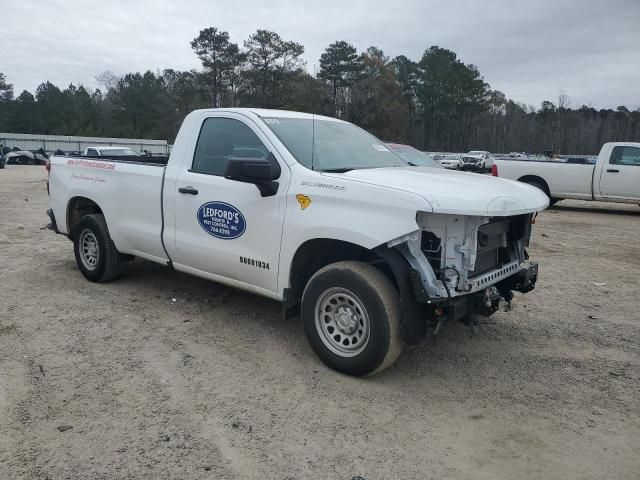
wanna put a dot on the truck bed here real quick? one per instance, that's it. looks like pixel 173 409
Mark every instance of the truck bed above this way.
pixel 563 179
pixel 117 184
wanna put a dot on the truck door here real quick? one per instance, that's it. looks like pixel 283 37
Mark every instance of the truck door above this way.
pixel 225 227
pixel 620 177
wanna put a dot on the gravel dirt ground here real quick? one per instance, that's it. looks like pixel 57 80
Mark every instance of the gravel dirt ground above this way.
pixel 163 375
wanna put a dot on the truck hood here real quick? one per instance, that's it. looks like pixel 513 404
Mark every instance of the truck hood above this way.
pixel 453 192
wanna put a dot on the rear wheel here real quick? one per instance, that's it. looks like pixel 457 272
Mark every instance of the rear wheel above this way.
pixel 96 255
pixel 540 186
pixel 351 316
pixel 537 184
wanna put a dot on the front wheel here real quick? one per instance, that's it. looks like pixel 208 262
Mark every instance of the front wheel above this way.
pixel 351 317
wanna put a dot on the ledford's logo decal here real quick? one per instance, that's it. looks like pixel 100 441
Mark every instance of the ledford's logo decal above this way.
pixel 221 220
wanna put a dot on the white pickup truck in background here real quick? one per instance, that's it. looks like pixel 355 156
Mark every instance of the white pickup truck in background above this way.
pixel 614 178
pixel 313 212
pixel 110 151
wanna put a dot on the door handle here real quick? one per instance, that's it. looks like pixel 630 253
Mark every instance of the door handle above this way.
pixel 188 190
pixel 612 170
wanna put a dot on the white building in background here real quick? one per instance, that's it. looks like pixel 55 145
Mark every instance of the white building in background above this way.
pixel 51 143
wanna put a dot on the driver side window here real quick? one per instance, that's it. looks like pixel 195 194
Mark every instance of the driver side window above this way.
pixel 221 139
pixel 625 156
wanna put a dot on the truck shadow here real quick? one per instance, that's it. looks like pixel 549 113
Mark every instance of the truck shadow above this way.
pixel 608 210
pixel 160 281
pixel 457 363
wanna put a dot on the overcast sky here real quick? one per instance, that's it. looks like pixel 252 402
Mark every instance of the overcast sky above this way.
pixel 530 50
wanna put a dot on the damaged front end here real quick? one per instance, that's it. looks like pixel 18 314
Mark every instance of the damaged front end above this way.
pixel 462 267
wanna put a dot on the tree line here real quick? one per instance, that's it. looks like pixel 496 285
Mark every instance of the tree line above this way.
pixel 436 102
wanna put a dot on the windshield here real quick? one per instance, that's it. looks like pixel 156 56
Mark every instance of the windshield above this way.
pixel 477 152
pixel 414 156
pixel 332 146
pixel 114 152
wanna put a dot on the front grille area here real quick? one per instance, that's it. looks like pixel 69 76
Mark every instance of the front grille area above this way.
pixel 497 242
pixel 492 241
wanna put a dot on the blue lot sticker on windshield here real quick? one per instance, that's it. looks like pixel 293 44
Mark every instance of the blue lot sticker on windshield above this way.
pixel 221 220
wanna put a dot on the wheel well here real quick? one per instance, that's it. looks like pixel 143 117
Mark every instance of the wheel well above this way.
pixel 540 180
pixel 78 208
pixel 315 254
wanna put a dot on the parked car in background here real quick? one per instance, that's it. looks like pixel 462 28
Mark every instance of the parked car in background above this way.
pixel 453 162
pixel 477 160
pixel 371 251
pixel 615 177
pixel 25 157
pixel 108 151
pixel 471 163
pixel 412 155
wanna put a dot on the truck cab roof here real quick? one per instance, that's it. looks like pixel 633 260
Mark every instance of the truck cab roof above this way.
pixel 273 113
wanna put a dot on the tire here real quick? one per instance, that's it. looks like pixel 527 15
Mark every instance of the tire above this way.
pixel 366 339
pixel 537 184
pixel 540 186
pixel 96 254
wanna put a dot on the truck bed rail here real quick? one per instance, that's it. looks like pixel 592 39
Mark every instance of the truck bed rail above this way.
pixel 155 161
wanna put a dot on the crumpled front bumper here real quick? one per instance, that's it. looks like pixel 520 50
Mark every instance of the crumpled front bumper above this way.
pixel 485 301
pixel 524 281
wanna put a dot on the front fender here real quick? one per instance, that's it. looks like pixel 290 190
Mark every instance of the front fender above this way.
pixel 338 209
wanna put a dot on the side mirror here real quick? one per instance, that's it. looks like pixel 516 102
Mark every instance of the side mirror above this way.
pixel 262 173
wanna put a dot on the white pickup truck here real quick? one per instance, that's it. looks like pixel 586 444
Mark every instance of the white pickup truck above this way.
pixel 614 178
pixel 311 211
pixel 110 151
